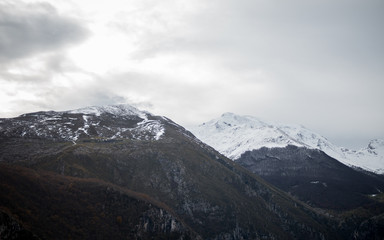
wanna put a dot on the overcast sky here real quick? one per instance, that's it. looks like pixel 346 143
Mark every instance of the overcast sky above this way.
pixel 318 63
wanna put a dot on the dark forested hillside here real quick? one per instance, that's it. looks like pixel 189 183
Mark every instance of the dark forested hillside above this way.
pixel 151 179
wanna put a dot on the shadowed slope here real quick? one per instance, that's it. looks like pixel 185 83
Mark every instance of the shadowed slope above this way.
pixel 209 193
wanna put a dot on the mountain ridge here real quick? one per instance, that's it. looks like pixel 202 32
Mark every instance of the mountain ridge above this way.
pixel 233 135
pixel 106 122
pixel 314 177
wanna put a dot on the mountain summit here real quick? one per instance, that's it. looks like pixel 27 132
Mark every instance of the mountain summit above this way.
pixel 233 135
pixel 101 122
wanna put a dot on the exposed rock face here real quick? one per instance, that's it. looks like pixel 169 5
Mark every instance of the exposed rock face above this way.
pixel 11 229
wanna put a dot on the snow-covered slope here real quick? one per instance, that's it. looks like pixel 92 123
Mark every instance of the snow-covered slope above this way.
pixel 232 135
pixel 99 122
pixel 117 110
pixel 370 158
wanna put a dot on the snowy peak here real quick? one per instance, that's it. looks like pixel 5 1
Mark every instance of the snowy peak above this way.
pixel 117 110
pixel 97 122
pixel 232 135
pixel 233 120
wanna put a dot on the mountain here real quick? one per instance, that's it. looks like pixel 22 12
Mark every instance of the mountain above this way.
pixel 115 172
pixel 314 177
pixel 233 135
pixel 299 162
pixel 103 122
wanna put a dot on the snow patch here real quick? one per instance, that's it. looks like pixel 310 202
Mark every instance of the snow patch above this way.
pixel 152 126
pixel 117 110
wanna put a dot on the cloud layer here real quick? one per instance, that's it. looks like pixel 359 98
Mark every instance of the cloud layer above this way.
pixel 317 63
pixel 27 29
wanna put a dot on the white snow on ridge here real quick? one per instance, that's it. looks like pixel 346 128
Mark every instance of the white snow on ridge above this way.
pixel 232 135
pixel 371 156
pixel 153 126
pixel 118 110
pixel 92 122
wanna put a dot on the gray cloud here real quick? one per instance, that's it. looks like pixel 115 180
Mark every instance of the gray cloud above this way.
pixel 26 29
pixel 257 33
pixel 317 63
pixel 32 95
pixel 50 65
pixel 324 62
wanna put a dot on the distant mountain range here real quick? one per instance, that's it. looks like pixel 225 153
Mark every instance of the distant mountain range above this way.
pixel 233 135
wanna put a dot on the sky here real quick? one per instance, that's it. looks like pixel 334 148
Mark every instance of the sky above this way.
pixel 318 63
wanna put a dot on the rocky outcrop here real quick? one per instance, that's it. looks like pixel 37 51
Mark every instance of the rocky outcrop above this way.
pixel 372 228
pixel 10 229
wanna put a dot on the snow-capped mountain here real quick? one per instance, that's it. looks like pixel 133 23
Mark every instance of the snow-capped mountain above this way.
pixel 100 122
pixel 232 135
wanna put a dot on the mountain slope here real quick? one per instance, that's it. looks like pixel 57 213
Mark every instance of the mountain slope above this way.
pixel 53 206
pixel 370 158
pixel 314 177
pixel 233 135
pixel 138 154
